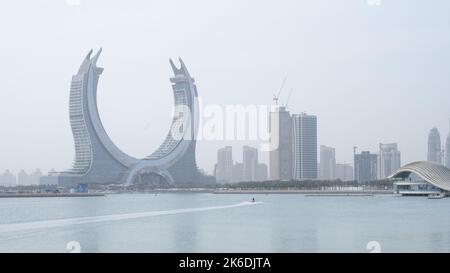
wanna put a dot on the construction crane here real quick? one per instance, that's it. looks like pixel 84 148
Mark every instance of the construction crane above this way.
pixel 277 97
pixel 288 97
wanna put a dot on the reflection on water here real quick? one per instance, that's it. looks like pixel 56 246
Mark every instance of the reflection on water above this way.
pixel 222 223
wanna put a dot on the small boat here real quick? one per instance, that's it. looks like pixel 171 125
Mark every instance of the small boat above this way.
pixel 438 195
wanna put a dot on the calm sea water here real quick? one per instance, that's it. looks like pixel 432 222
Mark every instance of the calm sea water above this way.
pixel 204 222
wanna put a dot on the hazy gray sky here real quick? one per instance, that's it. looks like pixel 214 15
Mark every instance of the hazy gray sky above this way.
pixel 370 73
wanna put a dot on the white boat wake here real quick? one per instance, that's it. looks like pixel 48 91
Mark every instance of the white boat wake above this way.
pixel 14 227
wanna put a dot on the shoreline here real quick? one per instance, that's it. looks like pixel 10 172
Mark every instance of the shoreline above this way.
pixel 308 192
pixel 211 191
pixel 253 191
pixel 39 195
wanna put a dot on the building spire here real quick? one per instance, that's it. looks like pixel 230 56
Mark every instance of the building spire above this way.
pixel 175 69
pixel 88 56
pixel 183 68
pixel 96 56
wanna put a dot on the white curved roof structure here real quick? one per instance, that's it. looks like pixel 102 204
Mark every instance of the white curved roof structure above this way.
pixel 433 173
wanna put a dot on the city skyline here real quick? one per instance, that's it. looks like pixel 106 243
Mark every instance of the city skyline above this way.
pixel 354 71
pixel 375 166
pixel 226 170
pixel 386 162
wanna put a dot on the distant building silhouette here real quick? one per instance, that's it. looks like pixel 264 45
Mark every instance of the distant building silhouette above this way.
pixel 250 169
pixel 224 166
pixel 23 178
pixel 35 177
pixel 261 172
pixel 434 146
pixel 344 172
pixel 8 179
pixel 238 172
pixel 327 164
pixel 365 166
pixel 250 161
pixel 389 160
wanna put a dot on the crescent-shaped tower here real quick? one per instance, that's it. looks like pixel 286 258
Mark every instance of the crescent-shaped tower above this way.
pixel 99 161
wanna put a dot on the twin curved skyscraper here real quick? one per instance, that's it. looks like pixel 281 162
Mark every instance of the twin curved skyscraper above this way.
pixel 98 160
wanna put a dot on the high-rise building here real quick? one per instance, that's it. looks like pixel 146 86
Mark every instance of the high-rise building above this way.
pixel 344 172
pixel 388 160
pixel 35 177
pixel 447 151
pixel 23 179
pixel 434 146
pixel 327 163
pixel 250 162
pixel 304 146
pixel 365 166
pixel 238 172
pixel 8 179
pixel 224 166
pixel 280 155
pixel 261 172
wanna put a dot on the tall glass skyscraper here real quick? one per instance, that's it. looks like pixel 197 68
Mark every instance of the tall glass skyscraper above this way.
pixel 434 146
pixel 304 146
